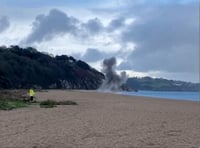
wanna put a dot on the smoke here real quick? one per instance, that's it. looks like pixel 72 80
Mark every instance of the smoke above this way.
pixel 113 81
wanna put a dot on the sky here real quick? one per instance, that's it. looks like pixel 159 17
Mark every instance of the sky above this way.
pixel 158 38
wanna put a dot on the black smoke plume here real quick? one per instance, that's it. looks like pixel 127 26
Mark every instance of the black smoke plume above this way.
pixel 113 81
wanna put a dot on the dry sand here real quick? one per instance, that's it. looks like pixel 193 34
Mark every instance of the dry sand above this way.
pixel 102 120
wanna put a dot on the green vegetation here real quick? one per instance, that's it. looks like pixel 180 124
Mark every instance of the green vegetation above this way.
pixel 13 99
pixel 9 104
pixel 52 103
pixel 22 68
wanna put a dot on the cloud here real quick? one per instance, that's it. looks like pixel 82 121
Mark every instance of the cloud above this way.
pixel 116 24
pixel 94 55
pixel 55 23
pixel 163 35
pixel 4 23
pixel 166 38
pixel 46 27
pixel 93 26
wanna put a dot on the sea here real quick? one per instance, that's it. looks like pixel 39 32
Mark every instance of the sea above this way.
pixel 175 95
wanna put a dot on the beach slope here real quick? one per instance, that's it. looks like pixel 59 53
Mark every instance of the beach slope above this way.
pixel 102 120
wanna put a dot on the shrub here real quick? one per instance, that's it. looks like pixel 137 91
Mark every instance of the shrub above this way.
pixel 9 104
pixel 51 103
pixel 68 102
pixel 48 104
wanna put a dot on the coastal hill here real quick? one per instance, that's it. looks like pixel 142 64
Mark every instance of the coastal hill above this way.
pixel 160 84
pixel 27 67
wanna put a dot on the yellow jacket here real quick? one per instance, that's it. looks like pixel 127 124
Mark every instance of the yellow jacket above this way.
pixel 31 92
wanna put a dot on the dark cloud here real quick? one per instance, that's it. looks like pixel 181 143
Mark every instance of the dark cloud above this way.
pixel 58 23
pixel 93 26
pixel 116 24
pixel 94 55
pixel 4 23
pixel 55 23
pixel 166 37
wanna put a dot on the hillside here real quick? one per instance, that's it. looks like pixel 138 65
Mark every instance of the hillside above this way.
pixel 27 67
pixel 159 84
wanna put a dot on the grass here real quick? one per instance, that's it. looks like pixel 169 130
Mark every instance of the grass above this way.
pixel 51 103
pixel 9 104
pixel 9 101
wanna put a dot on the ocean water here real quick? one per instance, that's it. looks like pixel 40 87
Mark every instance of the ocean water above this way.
pixel 176 95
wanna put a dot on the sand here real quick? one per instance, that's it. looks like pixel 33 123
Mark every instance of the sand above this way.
pixel 102 120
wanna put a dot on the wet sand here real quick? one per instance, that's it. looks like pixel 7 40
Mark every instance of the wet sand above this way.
pixel 102 120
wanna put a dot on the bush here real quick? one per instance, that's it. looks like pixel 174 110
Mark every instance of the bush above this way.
pixel 48 104
pixel 68 102
pixel 51 103
pixel 9 104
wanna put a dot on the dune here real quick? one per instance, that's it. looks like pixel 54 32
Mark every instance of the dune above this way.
pixel 102 120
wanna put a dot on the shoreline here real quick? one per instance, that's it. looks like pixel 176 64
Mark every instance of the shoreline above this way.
pixel 123 93
pixel 164 98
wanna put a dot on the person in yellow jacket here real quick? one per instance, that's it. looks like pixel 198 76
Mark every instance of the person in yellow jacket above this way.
pixel 31 94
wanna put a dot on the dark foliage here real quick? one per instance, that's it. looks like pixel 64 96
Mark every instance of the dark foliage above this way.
pixel 68 102
pixel 48 104
pixel 26 67
pixel 52 103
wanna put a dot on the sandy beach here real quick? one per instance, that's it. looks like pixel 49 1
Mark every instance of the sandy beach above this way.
pixel 102 120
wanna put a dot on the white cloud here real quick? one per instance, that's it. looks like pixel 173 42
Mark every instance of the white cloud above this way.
pixel 129 21
pixel 14 34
